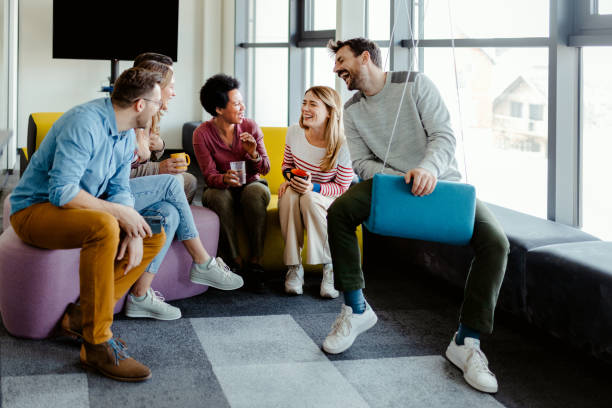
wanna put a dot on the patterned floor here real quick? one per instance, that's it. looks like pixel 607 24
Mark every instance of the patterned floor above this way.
pixel 245 350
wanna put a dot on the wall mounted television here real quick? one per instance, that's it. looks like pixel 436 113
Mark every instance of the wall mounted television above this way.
pixel 114 29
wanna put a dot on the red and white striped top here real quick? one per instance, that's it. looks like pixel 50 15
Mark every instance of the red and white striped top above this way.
pixel 300 154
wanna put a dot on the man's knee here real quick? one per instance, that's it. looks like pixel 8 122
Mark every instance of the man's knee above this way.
pixel 339 211
pixel 104 225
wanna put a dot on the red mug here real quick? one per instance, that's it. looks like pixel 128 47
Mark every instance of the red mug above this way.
pixel 299 173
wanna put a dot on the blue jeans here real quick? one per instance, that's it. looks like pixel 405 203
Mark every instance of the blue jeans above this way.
pixel 164 195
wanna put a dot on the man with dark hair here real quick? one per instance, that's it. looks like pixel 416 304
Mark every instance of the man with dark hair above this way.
pixel 152 56
pixel 75 193
pixel 423 152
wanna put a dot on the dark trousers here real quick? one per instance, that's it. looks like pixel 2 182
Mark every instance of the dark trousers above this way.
pixel 486 273
pixel 251 200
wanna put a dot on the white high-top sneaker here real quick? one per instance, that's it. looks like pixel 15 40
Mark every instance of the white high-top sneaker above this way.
pixel 474 364
pixel 294 280
pixel 327 283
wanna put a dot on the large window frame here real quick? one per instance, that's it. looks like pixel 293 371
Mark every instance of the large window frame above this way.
pixel 572 25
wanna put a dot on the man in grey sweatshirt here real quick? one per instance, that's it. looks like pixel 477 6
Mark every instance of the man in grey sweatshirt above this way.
pixel 422 151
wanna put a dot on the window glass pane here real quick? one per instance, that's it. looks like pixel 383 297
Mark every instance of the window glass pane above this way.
pixel 379 20
pixel 324 15
pixel 319 67
pixel 604 7
pixel 269 21
pixel 486 18
pixel 597 141
pixel 504 141
pixel 268 86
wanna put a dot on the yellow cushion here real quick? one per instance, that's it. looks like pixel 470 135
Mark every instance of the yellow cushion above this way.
pixel 274 139
pixel 44 121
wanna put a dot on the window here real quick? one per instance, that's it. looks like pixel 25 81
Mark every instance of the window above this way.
pixel 516 109
pixel 536 111
pixel 499 150
pixel 268 89
pixel 604 7
pixel 320 15
pixel 319 67
pixel 485 19
pixel 597 142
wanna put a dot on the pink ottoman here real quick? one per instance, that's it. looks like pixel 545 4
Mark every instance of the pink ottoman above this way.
pixel 37 284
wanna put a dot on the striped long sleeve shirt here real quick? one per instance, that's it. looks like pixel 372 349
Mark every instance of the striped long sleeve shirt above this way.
pixel 300 154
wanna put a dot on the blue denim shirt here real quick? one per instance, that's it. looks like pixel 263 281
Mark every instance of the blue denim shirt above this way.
pixel 82 151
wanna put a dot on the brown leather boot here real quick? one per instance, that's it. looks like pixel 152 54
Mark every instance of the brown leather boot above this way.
pixel 71 324
pixel 111 360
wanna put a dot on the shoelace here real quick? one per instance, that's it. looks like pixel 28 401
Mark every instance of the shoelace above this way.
pixel 293 273
pixel 119 349
pixel 227 272
pixel 478 360
pixel 158 296
pixel 342 324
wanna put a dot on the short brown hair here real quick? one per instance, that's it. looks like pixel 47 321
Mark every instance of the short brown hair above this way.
pixel 358 46
pixel 152 56
pixel 133 84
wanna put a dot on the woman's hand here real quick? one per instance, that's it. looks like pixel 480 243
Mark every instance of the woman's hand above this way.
pixel 300 185
pixel 156 144
pixel 142 145
pixel 231 178
pixel 282 188
pixel 249 144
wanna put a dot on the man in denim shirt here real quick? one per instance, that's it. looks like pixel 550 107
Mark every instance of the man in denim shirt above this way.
pixel 75 194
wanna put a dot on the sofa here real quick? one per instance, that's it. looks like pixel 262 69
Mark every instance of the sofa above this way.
pixel 274 139
pixel 558 278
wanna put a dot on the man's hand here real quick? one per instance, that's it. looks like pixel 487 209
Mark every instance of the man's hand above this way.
pixel 231 178
pixel 173 166
pixel 133 248
pixel 423 182
pixel 131 222
pixel 299 185
pixel 282 188
pixel 249 144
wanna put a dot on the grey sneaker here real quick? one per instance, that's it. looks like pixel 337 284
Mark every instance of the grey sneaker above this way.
pixel 327 283
pixel 347 327
pixel 294 280
pixel 470 359
pixel 152 306
pixel 217 275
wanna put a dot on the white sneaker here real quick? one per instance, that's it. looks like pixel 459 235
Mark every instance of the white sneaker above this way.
pixel 472 361
pixel 294 280
pixel 347 327
pixel 327 283
pixel 152 306
pixel 217 275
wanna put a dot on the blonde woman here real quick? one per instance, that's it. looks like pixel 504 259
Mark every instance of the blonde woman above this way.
pixel 149 142
pixel 317 169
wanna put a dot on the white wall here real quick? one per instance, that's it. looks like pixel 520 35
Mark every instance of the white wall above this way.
pixel 47 84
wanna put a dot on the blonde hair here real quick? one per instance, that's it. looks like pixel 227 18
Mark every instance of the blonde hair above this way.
pixel 334 129
pixel 167 74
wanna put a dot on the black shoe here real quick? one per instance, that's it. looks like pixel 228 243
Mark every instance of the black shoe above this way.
pixel 255 278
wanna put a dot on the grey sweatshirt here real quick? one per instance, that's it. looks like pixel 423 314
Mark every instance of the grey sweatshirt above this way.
pixel 423 135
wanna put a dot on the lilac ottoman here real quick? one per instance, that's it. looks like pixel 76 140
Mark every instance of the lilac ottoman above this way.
pixel 37 284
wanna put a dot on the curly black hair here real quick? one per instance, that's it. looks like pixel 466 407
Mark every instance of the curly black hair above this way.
pixel 214 93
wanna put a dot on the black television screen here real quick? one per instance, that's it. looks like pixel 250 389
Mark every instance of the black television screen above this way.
pixel 114 29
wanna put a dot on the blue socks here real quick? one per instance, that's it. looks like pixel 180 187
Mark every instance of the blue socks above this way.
pixel 464 332
pixel 355 299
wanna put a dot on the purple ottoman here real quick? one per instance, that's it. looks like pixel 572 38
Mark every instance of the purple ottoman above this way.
pixel 37 284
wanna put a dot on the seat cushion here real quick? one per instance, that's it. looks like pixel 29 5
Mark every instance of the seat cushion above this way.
pixel 569 293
